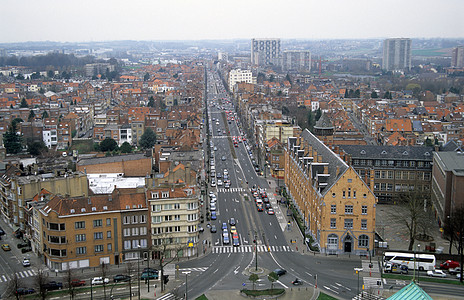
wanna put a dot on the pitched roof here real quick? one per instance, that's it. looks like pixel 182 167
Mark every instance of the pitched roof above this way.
pixel 388 152
pixel 410 292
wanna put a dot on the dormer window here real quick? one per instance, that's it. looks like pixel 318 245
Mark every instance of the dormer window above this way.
pixel 405 153
pixel 127 206
pixel 155 195
pixel 105 207
pixel 72 210
pixel 82 209
pixel 383 152
pixel 165 195
pixel 94 209
pixel 363 151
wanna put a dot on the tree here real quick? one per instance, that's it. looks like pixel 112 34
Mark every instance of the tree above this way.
pixel 387 95
pixel 285 110
pixel 288 78
pixel 357 94
pixel 271 78
pixel 318 114
pixel 23 103
pixel 253 278
pixel 108 144
pixel 11 140
pixel 151 102
pixel 272 277
pixel 412 213
pixel 68 278
pixel 374 95
pixel 456 230
pixel 104 273
pixel 146 77
pixel 36 148
pixel 163 252
pixel 125 148
pixel 50 74
pixel 40 280
pixel 148 139
pixel 31 116
pixel 12 287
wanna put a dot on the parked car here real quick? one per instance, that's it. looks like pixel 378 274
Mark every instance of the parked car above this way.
pixel 213 229
pixel 213 215
pixel 26 262
pixel 6 247
pixel 149 270
pixel 453 271
pixel 53 285
pixel 99 280
pixel 436 273
pixel 449 264
pixel 26 249
pixel 22 245
pixel 232 221
pixel 396 268
pixel 149 275
pixel 280 272
pixel 121 278
pixel 270 211
pixel 24 291
pixel 77 282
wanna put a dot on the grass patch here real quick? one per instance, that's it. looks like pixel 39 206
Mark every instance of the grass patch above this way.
pixel 202 297
pixel 83 146
pixel 422 278
pixel 266 292
pixel 323 296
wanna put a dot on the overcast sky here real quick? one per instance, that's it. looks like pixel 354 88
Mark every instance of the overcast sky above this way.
pixel 103 20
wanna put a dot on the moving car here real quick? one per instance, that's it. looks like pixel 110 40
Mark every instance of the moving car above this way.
pixel 224 226
pixel 453 271
pixel 26 262
pixel 449 264
pixel 213 229
pixel 6 247
pixel 226 240
pixel 121 278
pixel 223 158
pixel 53 285
pixel 149 275
pixel 99 280
pixel 232 221
pixel 26 249
pixel 213 207
pixel 233 229
pixel 219 182
pixel 213 215
pixel 280 272
pixel 436 273
pixel 24 291
pixel 270 211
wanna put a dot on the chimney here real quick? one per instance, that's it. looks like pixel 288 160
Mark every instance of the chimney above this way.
pixel 326 169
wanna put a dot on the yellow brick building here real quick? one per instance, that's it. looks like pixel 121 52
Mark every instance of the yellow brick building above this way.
pixel 337 206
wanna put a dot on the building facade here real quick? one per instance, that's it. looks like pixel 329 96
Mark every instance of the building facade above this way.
pixel 237 75
pixel 296 60
pixel 395 169
pixel 397 54
pixel 265 51
pixel 457 59
pixel 337 206
pixel 447 183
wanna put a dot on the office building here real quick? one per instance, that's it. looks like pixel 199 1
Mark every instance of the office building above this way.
pixel 397 54
pixel 457 59
pixel 265 51
pixel 237 75
pixel 296 60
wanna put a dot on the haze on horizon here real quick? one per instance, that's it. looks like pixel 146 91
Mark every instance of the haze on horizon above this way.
pixel 105 20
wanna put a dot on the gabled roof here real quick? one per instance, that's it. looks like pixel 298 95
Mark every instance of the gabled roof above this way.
pixel 410 292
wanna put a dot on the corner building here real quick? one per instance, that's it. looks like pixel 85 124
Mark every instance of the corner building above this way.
pixel 337 205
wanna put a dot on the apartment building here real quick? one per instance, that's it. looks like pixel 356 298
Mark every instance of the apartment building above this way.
pixel 457 59
pixel 237 75
pixel 447 183
pixel 81 232
pixel 296 60
pixel 395 169
pixel 397 54
pixel 175 219
pixel 337 206
pixel 265 51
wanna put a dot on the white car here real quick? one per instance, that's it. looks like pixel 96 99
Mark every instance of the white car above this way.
pixel 213 183
pixel 26 262
pixel 226 172
pixel 99 280
pixel 219 183
pixel 213 207
pixel 436 273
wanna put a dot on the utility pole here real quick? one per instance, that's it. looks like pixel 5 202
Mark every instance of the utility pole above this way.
pixel 186 287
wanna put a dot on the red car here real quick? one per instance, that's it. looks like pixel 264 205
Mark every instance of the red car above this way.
pixel 77 282
pixel 449 264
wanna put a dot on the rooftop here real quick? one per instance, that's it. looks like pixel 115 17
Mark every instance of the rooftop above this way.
pixel 389 152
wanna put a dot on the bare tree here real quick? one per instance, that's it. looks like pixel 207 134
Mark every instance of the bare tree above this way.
pixel 40 281
pixel 104 273
pixel 455 230
pixel 162 253
pixel 12 287
pixel 413 213
pixel 68 278
pixel 129 267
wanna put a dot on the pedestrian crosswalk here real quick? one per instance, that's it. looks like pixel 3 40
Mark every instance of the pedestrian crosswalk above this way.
pixel 200 269
pixel 230 190
pixel 22 274
pixel 243 249
pixel 373 282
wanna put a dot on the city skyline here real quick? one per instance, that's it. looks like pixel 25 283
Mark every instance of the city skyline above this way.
pixel 83 21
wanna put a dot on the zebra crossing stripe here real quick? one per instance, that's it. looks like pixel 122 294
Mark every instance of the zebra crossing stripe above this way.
pixel 4 278
pixel 30 273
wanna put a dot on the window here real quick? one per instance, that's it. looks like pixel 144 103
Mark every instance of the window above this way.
pixel 134 220
pixel 176 217
pixel 135 231
pixel 156 208
pixel 176 228
pixel 354 194
pixel 98 235
pixel 364 209
pixel 143 230
pixel 191 228
pixel 154 195
pixel 143 219
pixel 348 223
pixel 363 241
pixel 390 174
pixel 333 209
pixel 333 223
pixel 167 218
pixel 165 195
pixel 126 232
pixel 363 224
pixel 333 195
pixel 176 205
pixel 81 250
pixel 156 219
pixel 348 209
pixel 349 192
pixel 80 237
pixel 126 220
pixel 332 241
pixel 98 248
pixel 344 194
pixel 79 225
pixel 135 244
pixel 192 205
pixel 108 222
pixel 97 223
pixel 108 234
pixel 143 243
pixel 127 245
pixel 109 247
pixel 167 206
pixel 192 217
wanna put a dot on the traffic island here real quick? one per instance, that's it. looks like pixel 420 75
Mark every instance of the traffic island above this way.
pixel 263 294
pixel 254 270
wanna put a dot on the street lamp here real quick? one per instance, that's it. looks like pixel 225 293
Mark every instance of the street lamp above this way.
pixel 357 270
pixel 138 271
pixel 186 287
pixel 91 291
pixel 148 268
pixel 418 267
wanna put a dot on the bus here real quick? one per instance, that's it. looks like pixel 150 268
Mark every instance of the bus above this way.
pixel 422 261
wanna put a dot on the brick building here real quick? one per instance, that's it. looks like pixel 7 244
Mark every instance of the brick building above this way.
pixel 131 165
